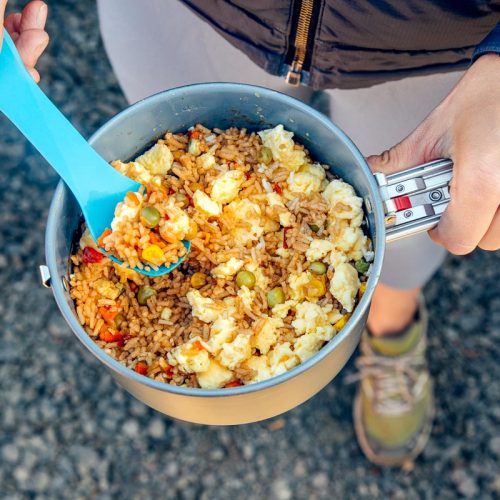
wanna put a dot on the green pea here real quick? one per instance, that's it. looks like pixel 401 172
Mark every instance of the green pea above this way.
pixel 275 296
pixel 145 292
pixel 361 266
pixel 314 228
pixel 265 155
pixel 150 217
pixel 245 278
pixel 119 319
pixel 317 268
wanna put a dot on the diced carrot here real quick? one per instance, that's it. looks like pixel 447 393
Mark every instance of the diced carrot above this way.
pixel 141 368
pixel 277 189
pixel 91 255
pixel 194 134
pixel 234 383
pixel 107 314
pixel 153 238
pixel 132 197
pixel 169 371
pixel 105 233
pixel 108 336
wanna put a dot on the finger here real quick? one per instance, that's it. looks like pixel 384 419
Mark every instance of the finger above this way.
pixel 409 152
pixel 34 74
pixel 34 16
pixel 474 196
pixel 31 44
pixel 3 4
pixel 491 240
pixel 12 22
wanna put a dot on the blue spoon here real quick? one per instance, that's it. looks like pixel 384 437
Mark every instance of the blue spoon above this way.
pixel 97 186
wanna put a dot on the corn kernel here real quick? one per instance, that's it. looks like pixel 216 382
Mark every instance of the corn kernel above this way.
pixel 341 322
pixel 153 254
pixel 362 289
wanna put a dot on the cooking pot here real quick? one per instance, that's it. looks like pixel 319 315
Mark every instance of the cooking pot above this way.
pixel 395 206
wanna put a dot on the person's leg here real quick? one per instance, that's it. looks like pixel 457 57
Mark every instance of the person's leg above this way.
pixel 377 118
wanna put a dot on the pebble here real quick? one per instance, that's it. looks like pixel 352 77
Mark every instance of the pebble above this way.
pixel 156 428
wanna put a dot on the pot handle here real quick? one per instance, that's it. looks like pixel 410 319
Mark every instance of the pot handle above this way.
pixel 414 199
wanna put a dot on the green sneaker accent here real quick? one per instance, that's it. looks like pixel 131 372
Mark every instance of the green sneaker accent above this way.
pixel 398 344
pixel 394 406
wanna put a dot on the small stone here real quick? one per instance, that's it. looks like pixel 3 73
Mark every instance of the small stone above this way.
pixel 156 428
pixel 217 454
pixel 21 475
pixel 281 490
pixel 320 480
pixel 10 453
pixel 495 446
pixel 131 428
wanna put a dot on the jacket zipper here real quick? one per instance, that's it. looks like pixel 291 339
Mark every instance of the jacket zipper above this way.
pixel 302 34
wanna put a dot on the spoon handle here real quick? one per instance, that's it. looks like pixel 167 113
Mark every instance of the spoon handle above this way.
pixel 38 119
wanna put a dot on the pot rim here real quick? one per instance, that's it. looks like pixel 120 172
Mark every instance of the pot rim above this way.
pixel 121 370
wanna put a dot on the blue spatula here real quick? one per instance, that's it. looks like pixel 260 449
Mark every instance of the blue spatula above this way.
pixel 97 186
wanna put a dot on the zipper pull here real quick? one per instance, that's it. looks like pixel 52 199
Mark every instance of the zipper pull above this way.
pixel 294 74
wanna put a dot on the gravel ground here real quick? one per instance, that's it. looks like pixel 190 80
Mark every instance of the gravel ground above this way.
pixel 68 431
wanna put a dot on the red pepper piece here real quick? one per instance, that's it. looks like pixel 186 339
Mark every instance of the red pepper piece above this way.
pixel 141 368
pixel 277 189
pixel 234 383
pixel 91 256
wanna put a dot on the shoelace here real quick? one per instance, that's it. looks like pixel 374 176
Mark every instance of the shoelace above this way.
pixel 396 381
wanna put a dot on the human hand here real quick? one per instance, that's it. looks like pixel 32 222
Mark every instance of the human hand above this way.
pixel 465 127
pixel 27 30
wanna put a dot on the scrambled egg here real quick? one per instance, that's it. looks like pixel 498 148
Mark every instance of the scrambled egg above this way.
pixel 233 353
pixel 135 171
pixel 344 204
pixel 312 318
pixel 261 366
pixel 206 161
pixel 157 160
pixel 125 273
pixel 250 213
pixel 177 225
pixel 276 207
pixel 304 183
pixel 345 285
pixel 107 289
pixel 280 142
pixel 298 284
pixel 191 357
pixel 227 269
pixel 222 331
pixel 266 332
pixel 204 308
pixel 282 359
pixel 246 296
pixel 226 186
pixel 282 310
pixel 205 204
pixel 318 250
pixel 215 376
pixel 125 212
pixel 352 242
pixel 307 345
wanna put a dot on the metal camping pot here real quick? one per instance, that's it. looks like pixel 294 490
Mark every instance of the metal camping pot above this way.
pixel 395 206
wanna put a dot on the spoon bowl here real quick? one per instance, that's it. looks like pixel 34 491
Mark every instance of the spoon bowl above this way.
pixel 96 185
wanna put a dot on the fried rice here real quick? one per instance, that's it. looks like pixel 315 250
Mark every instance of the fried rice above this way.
pixel 278 261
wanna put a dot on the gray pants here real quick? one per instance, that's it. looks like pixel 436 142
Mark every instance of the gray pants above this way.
pixel 158 44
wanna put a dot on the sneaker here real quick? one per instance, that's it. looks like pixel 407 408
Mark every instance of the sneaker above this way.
pixel 394 408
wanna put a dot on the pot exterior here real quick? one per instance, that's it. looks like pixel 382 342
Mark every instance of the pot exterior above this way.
pixel 222 106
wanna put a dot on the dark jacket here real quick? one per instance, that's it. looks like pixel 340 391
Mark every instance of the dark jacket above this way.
pixel 354 43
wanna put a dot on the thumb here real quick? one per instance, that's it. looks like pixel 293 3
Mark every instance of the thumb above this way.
pixel 3 4
pixel 415 149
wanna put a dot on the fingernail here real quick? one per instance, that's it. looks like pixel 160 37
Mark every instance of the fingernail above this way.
pixel 41 16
